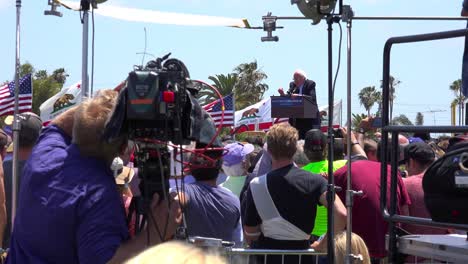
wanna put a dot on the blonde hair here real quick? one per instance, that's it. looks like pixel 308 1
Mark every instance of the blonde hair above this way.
pixel 89 123
pixel 282 141
pixel 175 253
pixel 358 247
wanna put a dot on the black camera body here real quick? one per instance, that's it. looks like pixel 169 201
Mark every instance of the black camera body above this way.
pixel 158 105
pixel 337 133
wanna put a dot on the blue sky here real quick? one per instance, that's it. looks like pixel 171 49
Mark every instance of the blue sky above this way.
pixel 425 70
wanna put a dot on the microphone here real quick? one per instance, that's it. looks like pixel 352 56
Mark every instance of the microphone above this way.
pixel 292 86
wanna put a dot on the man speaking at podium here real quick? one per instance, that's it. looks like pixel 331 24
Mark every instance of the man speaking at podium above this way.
pixel 302 86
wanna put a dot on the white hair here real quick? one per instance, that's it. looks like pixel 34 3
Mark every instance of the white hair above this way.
pixel 235 170
pixel 301 73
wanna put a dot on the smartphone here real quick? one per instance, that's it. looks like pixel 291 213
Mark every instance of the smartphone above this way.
pixel 377 122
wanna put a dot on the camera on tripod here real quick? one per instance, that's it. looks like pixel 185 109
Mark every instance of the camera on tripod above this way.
pixel 159 103
pixel 156 106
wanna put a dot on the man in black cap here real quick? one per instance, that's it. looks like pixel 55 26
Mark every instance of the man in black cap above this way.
pixel 31 125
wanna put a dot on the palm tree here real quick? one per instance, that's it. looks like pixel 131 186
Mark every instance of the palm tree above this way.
pixel 250 86
pixel 356 121
pixel 402 120
pixel 393 83
pixel 225 85
pixel 419 119
pixel 368 97
pixel 60 76
pixel 459 99
pixel 378 99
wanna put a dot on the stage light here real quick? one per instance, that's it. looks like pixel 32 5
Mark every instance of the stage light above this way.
pixel 269 25
pixel 94 3
pixel 53 9
pixel 315 9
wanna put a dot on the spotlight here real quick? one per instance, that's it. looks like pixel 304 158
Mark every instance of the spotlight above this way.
pixel 269 25
pixel 53 9
pixel 94 3
pixel 315 9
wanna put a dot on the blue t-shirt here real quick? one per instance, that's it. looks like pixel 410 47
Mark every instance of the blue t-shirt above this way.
pixel 212 211
pixel 69 209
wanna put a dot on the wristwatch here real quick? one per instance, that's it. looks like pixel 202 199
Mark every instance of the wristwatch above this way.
pixel 354 143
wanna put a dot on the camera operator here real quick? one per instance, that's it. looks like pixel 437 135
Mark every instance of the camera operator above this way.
pixel 69 209
pixel 210 209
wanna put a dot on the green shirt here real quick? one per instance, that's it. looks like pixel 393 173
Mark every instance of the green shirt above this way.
pixel 320 226
pixel 234 184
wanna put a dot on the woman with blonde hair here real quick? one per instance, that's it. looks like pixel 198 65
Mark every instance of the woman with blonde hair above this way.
pixel 176 253
pixel 358 249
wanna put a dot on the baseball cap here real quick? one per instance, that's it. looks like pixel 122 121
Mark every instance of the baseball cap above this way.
pixel 31 125
pixel 415 139
pixel 453 142
pixel 315 140
pixel 236 153
pixel 419 151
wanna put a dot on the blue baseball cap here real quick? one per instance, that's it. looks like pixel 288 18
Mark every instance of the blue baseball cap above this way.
pixel 236 153
pixel 415 140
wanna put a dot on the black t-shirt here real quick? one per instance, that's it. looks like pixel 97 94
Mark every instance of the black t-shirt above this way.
pixel 295 193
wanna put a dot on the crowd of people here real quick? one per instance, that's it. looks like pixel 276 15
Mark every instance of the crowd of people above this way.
pixel 266 192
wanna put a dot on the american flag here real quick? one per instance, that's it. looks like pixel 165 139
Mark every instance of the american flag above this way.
pixel 7 96
pixel 215 110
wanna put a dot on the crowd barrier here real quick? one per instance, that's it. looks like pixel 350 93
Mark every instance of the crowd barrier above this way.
pixel 244 256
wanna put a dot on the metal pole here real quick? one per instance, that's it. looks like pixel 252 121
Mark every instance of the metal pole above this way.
pixel 16 121
pixel 349 191
pixel 331 186
pixel 84 70
pixel 460 108
pixel 416 18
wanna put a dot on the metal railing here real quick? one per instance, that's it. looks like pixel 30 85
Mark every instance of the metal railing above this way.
pixel 243 256
pixel 390 214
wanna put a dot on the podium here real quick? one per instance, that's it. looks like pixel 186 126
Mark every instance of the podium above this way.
pixel 297 107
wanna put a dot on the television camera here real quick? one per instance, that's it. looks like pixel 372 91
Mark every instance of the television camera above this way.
pixel 158 105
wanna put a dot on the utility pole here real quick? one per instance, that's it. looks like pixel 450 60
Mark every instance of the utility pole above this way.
pixel 433 112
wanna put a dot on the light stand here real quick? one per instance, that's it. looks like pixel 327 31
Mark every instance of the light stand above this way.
pixel 331 180
pixel 85 5
pixel 348 15
pixel 269 27
pixel 16 122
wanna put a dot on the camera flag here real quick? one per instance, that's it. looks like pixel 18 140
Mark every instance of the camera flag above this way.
pixel 215 110
pixel 7 96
